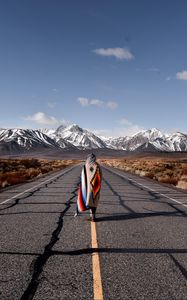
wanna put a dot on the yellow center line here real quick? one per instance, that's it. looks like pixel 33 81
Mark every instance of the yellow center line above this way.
pixel 97 283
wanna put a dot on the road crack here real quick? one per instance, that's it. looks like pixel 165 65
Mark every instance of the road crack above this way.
pixel 31 193
pixel 119 197
pixel 42 259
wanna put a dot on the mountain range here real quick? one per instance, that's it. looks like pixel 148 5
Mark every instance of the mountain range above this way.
pixel 75 138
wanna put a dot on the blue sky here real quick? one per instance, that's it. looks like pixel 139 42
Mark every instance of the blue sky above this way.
pixel 115 67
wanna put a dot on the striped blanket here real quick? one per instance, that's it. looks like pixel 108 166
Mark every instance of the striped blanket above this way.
pixel 89 189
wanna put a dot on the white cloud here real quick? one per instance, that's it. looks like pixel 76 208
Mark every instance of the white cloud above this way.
pixel 119 53
pixel 181 75
pixel 97 102
pixel 112 105
pixel 51 104
pixel 168 78
pixel 42 119
pixel 83 101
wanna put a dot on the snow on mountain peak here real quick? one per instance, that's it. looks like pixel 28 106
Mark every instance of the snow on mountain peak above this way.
pixel 79 137
pixel 74 137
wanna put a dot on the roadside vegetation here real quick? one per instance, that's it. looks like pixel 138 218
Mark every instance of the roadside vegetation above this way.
pixel 166 171
pixel 14 171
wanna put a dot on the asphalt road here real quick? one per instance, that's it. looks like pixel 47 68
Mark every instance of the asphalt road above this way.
pixel 46 253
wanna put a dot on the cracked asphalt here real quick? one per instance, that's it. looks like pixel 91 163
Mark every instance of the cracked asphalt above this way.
pixel 46 253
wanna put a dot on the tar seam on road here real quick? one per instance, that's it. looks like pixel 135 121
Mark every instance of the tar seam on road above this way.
pixel 146 187
pixel 51 178
pixel 97 282
pixel 39 263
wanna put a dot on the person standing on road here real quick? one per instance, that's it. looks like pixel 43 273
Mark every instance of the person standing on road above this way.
pixel 89 190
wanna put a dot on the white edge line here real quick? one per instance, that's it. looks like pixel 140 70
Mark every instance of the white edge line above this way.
pixel 51 178
pixel 148 188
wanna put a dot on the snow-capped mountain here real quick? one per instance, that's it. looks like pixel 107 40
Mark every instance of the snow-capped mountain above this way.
pixel 26 138
pixel 117 143
pixel 47 131
pixel 155 140
pixel 177 141
pixel 52 133
pixel 74 138
pixel 21 140
pixel 149 140
pixel 80 138
pixel 134 142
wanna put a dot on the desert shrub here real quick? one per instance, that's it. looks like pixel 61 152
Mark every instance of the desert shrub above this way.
pixel 182 184
pixel 168 179
pixel 184 177
pixel 2 165
pixel 18 171
pixel 159 169
pixel 168 173
pixel 31 173
pixel 184 171
pixel 12 178
pixel 169 166
pixel 31 163
pixel 59 166
pixel 45 170
pixel 127 168
pixel 137 172
pixel 149 175
pixel 16 179
pixel 142 173
pixel 3 183
pixel 140 168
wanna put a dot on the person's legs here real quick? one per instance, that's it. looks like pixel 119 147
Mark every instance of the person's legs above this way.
pixel 76 211
pixel 93 210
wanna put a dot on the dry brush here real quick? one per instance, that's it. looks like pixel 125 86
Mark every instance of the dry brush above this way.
pixel 15 171
pixel 166 171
